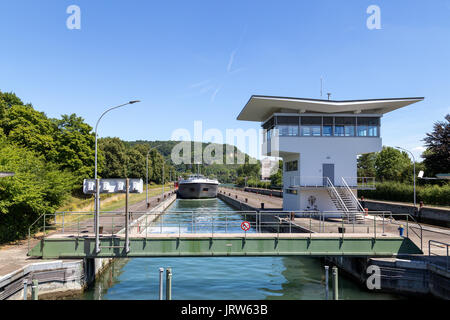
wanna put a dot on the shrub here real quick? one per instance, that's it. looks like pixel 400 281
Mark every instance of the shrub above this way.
pixel 397 191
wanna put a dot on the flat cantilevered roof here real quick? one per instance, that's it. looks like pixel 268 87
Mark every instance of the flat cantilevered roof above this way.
pixel 259 108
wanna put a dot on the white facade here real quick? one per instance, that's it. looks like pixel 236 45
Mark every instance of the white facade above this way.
pixel 312 153
pixel 319 142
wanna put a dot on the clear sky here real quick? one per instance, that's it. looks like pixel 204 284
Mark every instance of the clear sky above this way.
pixel 202 60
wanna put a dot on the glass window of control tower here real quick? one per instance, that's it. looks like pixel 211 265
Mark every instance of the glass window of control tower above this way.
pixel 344 126
pixel 287 126
pixel 311 126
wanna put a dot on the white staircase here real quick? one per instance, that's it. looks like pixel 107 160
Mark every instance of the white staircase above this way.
pixel 345 201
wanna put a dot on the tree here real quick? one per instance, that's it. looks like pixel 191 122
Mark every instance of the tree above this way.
pixel 276 179
pixel 75 146
pixel 390 163
pixel 156 165
pixel 366 165
pixel 37 187
pixel 114 158
pixel 135 164
pixel 7 100
pixel 31 129
pixel 249 170
pixel 437 155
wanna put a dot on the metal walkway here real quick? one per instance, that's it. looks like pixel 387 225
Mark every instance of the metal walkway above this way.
pixel 209 233
pixel 253 244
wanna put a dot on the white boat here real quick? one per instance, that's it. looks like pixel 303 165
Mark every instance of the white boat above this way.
pixel 197 187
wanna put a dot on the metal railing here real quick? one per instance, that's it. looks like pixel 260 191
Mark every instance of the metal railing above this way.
pixel 146 224
pixel 336 194
pixel 439 244
pixel 352 195
pixel 367 183
pixel 362 183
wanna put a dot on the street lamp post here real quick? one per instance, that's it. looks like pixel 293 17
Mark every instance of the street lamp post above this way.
pixel 414 172
pixel 97 191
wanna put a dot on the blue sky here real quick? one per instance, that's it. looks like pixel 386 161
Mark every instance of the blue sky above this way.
pixel 202 60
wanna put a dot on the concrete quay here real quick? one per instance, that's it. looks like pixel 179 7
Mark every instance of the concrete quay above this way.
pixel 434 215
pixel 427 274
pixel 59 278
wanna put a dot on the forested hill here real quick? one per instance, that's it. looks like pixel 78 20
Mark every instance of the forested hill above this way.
pixel 226 173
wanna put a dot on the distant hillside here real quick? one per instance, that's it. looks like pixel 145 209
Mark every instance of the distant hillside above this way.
pixel 226 173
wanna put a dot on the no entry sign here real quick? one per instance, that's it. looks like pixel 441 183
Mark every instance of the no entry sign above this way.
pixel 245 225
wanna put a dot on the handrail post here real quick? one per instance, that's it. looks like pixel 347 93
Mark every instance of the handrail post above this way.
pixel 127 239
pixel 375 226
pixel 310 231
pixel 226 224
pixel 146 226
pixel 447 258
pixel 407 226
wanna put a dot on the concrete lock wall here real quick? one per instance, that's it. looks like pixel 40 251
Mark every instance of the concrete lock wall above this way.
pixel 403 276
pixel 438 216
pixel 53 277
pixel 267 192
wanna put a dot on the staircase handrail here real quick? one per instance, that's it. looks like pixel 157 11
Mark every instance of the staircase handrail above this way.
pixel 352 194
pixel 331 186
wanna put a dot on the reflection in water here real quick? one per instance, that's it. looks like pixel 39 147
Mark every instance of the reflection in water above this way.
pixel 220 277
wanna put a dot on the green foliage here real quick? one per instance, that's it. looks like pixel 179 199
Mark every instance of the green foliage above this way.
pixel 437 155
pixel 114 158
pixel 135 164
pixel 397 191
pixel 366 165
pixel 250 170
pixel 38 187
pixel 75 146
pixel 276 179
pixel 67 142
pixel 390 164
pixel 30 129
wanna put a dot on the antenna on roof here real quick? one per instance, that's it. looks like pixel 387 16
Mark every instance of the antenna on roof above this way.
pixel 329 94
pixel 321 86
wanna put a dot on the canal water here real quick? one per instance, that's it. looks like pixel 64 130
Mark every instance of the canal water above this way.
pixel 219 277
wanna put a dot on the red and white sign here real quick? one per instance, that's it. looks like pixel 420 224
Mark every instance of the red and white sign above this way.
pixel 245 225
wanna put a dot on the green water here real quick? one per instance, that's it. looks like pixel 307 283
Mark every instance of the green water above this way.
pixel 220 277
